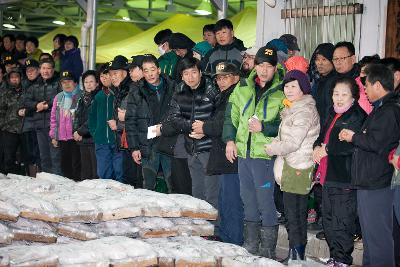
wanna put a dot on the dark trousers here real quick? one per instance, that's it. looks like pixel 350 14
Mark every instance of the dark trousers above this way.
pixel 70 159
pixel 32 148
pixel 257 186
pixel 204 186
pixel 396 238
pixel 50 156
pixel 132 172
pixel 1 152
pixel 13 142
pixel 375 211
pixel 88 162
pixel 339 214
pixel 317 191
pixel 296 218
pixel 230 209
pixel 181 180
pixel 278 197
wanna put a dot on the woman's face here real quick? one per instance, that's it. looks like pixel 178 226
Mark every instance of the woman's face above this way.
pixel 292 91
pixel 68 45
pixel 90 83
pixel 342 96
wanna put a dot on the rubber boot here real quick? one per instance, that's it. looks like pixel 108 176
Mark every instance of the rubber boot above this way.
pixel 269 237
pixel 251 235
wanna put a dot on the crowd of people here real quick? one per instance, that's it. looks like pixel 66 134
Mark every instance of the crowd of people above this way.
pixel 253 131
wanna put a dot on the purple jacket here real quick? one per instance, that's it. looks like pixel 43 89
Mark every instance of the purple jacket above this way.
pixel 62 120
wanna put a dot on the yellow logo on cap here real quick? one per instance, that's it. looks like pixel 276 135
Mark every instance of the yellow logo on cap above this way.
pixel 28 62
pixel 220 67
pixel 268 52
pixel 8 57
pixel 110 63
pixel 65 73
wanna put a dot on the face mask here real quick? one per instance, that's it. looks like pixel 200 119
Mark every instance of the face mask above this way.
pixel 161 50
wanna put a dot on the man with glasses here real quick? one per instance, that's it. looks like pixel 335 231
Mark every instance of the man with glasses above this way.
pixel 248 61
pixel 344 60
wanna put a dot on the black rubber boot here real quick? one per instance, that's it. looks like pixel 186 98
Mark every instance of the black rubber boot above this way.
pixel 269 237
pixel 251 235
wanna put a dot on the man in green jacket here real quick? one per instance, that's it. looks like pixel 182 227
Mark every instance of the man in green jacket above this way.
pixel 251 121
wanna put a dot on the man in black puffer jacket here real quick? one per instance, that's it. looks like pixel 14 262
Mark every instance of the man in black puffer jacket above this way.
pixel 147 105
pixel 39 97
pixel 190 107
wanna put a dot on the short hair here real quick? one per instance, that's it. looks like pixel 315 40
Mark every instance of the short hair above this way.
pixel 354 89
pixel 47 60
pixel 21 37
pixel 9 36
pixel 60 36
pixel 33 40
pixel 350 47
pixel 72 39
pixel 223 23
pixel 149 58
pixel 392 63
pixel 47 55
pixel 90 73
pixel 369 60
pixel 208 28
pixel 162 36
pixel 188 63
pixel 380 73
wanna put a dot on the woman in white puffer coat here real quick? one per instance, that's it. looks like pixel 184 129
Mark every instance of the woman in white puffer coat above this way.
pixel 298 131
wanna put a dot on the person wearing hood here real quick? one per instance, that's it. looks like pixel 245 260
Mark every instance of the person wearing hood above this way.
pixel 61 126
pixel 168 57
pixel 182 45
pixel 201 49
pixel 71 59
pixel 228 48
pixel 11 123
pixel 297 133
pixel 82 134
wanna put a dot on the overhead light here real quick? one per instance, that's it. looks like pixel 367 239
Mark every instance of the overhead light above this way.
pixel 9 26
pixel 204 9
pixel 123 14
pixel 59 21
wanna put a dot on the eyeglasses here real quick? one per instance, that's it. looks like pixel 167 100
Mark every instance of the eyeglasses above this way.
pixel 222 77
pixel 340 59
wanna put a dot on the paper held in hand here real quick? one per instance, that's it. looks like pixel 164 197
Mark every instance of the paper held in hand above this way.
pixel 151 132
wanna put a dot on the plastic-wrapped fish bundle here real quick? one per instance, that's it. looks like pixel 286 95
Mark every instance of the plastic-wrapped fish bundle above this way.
pixel 117 228
pixel 78 211
pixel 245 261
pixel 193 207
pixel 80 231
pixel 192 227
pixel 115 209
pixel 8 212
pixel 29 256
pixel 6 236
pixel 30 230
pixel 150 227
